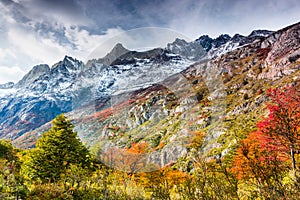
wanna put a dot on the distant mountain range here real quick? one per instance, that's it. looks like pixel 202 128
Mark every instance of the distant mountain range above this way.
pixel 157 96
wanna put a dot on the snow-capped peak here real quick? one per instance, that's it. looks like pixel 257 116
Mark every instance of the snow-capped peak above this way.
pixel 260 33
pixel 32 75
pixel 117 51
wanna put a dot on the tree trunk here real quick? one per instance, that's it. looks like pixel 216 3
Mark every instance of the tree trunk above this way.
pixel 293 160
pixel 17 196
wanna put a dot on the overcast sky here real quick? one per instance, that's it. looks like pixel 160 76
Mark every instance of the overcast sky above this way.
pixel 44 31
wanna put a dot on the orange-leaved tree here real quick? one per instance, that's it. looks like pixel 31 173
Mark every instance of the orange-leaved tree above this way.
pixel 258 159
pixel 131 160
pixel 161 182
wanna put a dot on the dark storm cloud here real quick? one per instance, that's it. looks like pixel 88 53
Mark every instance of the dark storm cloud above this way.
pixel 193 17
pixel 124 14
pixel 69 6
pixel 17 10
pixel 62 10
pixel 7 2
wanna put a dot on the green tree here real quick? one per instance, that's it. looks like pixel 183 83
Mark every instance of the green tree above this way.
pixel 7 151
pixel 11 182
pixel 56 151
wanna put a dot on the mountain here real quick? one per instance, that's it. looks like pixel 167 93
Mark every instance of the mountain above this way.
pixel 32 75
pixel 207 47
pixel 161 96
pixel 45 92
pixel 115 53
pixel 39 96
pixel 190 50
pixel 226 43
pixel 260 33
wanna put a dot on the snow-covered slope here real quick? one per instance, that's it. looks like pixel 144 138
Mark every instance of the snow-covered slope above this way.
pixel 206 47
pixel 229 44
pixel 46 92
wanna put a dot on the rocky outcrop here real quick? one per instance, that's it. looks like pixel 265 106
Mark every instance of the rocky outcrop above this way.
pixel 284 54
pixel 32 75
pixel 114 54
pixel 169 154
pixel 192 50
pixel 208 43
pixel 260 33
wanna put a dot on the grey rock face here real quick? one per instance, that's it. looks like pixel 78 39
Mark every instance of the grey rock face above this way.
pixel 31 76
pixel 192 50
pixel 208 43
pixel 205 41
pixel 114 54
pixel 260 33
pixel 285 51
pixel 169 154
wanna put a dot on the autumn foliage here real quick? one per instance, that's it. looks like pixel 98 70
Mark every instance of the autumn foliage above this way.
pixel 265 156
pixel 257 158
pixel 282 124
pixel 131 160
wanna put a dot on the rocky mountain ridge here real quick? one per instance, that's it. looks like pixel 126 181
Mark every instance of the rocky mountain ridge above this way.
pixel 45 92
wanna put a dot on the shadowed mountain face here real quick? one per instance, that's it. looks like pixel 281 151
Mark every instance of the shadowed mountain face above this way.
pixel 158 96
pixel 114 54
pixel 33 75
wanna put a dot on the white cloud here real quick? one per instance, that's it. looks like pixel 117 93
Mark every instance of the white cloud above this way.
pixel 38 49
pixel 48 50
pixel 86 42
pixel 21 44
pixel 7 53
pixel 8 74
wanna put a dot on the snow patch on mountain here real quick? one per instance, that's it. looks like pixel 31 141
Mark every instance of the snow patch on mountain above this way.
pixel 46 92
pixel 206 47
pixel 7 92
